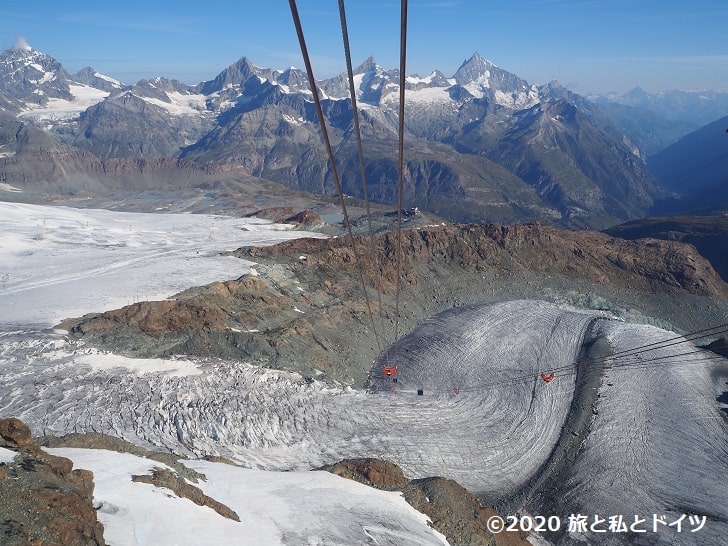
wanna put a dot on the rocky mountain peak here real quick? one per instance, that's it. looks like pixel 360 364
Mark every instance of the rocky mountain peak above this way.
pixel 483 79
pixel 636 94
pixel 90 76
pixel 367 66
pixel 32 76
pixel 160 86
pixel 434 79
pixel 555 86
pixel 474 69
pixel 235 75
pixel 293 78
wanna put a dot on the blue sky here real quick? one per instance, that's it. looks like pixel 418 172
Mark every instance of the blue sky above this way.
pixel 588 45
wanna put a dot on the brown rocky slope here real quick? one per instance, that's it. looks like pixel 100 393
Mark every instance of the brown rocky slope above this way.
pixel 304 310
pixel 43 501
pixel 709 234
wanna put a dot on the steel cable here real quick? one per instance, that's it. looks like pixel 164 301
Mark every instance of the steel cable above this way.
pixel 329 151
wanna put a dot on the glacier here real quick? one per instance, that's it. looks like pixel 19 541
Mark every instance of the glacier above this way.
pixel 468 403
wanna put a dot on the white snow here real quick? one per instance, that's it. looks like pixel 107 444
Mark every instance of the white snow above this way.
pixel 294 121
pixel 476 87
pixel 7 455
pixel 103 361
pixel 84 96
pixel 116 83
pixel 274 508
pixel 522 99
pixel 58 262
pixel 182 104
pixel 428 95
pixel 358 80
pixel 8 187
pixel 284 88
pixel 416 79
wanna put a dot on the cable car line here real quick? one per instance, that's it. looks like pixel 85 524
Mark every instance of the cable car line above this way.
pixel 360 148
pixel 628 358
pixel 706 332
pixel 329 151
pixel 335 174
pixel 400 167
pixel 620 359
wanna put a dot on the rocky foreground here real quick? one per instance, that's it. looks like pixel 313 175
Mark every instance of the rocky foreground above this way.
pixel 46 503
pixel 304 309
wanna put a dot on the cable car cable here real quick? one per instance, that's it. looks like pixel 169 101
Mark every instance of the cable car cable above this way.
pixel 360 148
pixel 329 151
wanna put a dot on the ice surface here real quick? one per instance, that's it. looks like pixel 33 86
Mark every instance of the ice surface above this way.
pixel 275 420
pixel 59 262
pixel 658 443
pixel 8 187
pixel 181 104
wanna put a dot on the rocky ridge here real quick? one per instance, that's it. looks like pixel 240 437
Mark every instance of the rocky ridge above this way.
pixel 303 308
pixel 160 477
pixel 707 233
pixel 45 502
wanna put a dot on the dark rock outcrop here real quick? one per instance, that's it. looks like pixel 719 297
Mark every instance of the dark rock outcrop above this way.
pixel 307 220
pixel 453 511
pixel 709 234
pixel 166 478
pixel 43 501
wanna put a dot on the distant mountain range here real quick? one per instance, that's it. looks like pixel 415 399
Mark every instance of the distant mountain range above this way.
pixel 482 145
pixel 696 169
pixel 697 107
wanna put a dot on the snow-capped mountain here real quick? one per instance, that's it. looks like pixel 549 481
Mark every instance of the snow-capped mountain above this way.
pixel 41 90
pixel 463 133
pixel 33 77
pixel 482 78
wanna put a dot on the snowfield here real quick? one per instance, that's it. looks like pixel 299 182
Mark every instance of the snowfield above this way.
pixel 468 404
pixel 274 507
pixel 84 96
pixel 60 262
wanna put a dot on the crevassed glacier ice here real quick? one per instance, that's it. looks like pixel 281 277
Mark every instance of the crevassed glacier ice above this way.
pixel 658 442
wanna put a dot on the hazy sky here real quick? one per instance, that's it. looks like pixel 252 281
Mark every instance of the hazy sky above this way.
pixel 588 45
